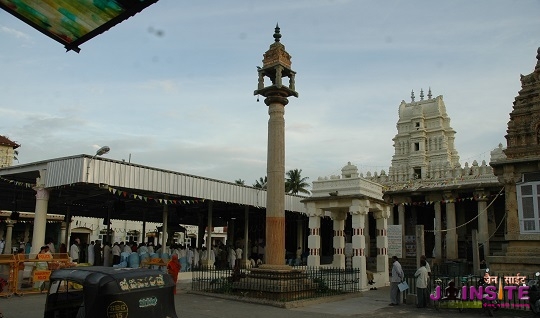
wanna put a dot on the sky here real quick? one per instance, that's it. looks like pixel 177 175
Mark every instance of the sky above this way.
pixel 172 87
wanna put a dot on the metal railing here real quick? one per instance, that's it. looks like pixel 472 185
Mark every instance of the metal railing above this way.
pixel 297 284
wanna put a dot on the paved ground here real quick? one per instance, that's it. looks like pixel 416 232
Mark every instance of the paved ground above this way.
pixel 370 304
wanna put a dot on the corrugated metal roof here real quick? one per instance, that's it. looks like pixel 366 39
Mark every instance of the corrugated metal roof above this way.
pixel 85 169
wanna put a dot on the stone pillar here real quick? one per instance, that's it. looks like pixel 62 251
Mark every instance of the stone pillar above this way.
pixel 209 262
pixel 438 233
pixel 245 263
pixel 314 238
pixel 401 215
pixel 26 236
pixel 451 235
pixel 483 228
pixel 8 248
pixel 40 217
pixel 511 205
pixel 381 218
pixel 230 232
pixel 164 229
pixel 359 211
pixel 420 244
pixel 275 202
pixel 61 239
pixel 300 232
pixel 390 219
pixel 338 218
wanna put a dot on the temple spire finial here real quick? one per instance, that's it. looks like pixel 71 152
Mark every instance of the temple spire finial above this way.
pixel 412 95
pixel 421 94
pixel 429 93
pixel 277 35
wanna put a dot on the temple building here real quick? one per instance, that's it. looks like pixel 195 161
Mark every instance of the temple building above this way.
pixel 519 171
pixel 426 185
pixel 7 151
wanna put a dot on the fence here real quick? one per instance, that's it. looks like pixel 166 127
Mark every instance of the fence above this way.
pixel 506 286
pixel 28 273
pixel 298 284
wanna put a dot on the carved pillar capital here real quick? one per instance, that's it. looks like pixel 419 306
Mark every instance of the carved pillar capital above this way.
pixel 359 207
pixel 41 193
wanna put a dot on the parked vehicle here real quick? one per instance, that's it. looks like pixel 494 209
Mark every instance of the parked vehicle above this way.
pixel 104 292
pixel 534 294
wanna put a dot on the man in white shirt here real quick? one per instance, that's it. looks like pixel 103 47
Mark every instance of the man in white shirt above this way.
pixel 397 277
pixel 421 285
pixel 116 253
pixel 74 251
pixel 91 253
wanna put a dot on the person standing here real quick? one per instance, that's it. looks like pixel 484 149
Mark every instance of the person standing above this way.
pixel 173 268
pixel 50 244
pixel 74 250
pixel 98 259
pixel 91 253
pixel 397 277
pixel 107 254
pixel 116 253
pixel 421 285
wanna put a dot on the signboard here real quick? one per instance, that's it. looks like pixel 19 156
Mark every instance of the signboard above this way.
pixel 395 240
pixel 410 245
pixel 42 275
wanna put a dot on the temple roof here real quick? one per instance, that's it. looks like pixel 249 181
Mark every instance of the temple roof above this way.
pixel 4 141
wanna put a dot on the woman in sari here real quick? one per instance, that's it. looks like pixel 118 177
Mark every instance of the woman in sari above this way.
pixel 173 268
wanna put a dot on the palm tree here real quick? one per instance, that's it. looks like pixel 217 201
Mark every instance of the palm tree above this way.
pixel 294 183
pixel 240 182
pixel 261 183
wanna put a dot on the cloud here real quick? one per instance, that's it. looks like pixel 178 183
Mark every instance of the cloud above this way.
pixel 14 33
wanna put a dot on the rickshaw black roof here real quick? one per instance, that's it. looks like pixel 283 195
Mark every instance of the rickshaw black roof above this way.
pixel 99 276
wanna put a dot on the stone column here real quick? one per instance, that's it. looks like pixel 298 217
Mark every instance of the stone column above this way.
pixel 338 218
pixel 511 206
pixel 40 217
pixel 359 211
pixel 300 232
pixel 381 218
pixel 61 239
pixel 209 263
pixel 230 233
pixel 164 229
pixel 438 233
pixel 314 238
pixel 245 263
pixel 451 235
pixel 401 215
pixel 275 203
pixel 483 229
pixel 8 248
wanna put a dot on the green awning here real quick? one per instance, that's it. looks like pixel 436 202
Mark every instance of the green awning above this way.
pixel 73 22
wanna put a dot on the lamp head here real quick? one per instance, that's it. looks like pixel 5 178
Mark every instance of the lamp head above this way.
pixel 103 150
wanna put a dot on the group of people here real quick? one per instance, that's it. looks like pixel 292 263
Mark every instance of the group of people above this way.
pixel 422 275
pixel 94 253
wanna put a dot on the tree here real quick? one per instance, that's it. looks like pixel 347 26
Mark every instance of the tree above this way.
pixel 240 182
pixel 261 183
pixel 294 183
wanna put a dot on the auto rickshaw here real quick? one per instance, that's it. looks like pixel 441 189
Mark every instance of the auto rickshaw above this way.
pixel 107 292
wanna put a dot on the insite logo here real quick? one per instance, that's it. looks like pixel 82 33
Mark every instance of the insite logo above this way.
pixel 492 292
